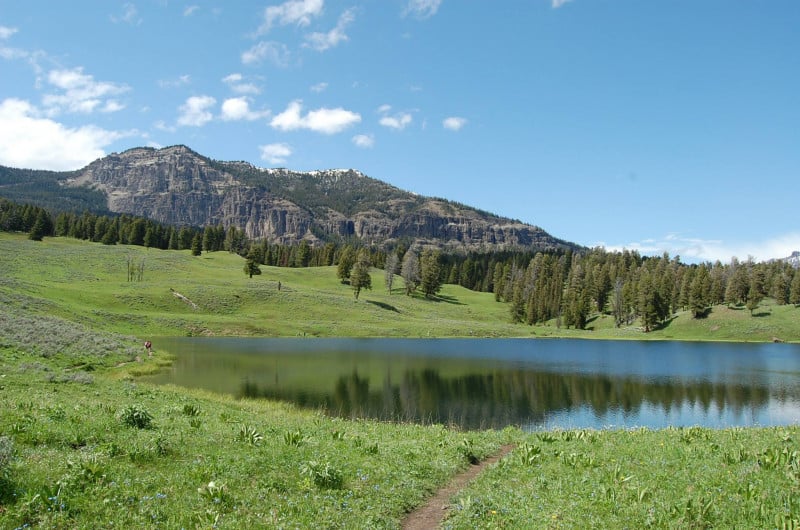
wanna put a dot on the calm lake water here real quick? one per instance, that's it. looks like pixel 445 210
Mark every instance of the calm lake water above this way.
pixel 492 383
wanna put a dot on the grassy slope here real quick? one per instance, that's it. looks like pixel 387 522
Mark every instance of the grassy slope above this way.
pixel 88 283
pixel 65 381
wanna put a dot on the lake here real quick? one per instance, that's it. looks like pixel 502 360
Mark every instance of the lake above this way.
pixel 491 383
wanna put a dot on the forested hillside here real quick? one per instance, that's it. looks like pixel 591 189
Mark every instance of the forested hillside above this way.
pixel 564 287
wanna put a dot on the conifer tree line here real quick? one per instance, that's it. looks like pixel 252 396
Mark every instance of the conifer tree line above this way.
pixel 538 287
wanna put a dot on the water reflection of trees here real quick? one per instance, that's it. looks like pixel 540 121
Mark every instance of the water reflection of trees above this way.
pixel 514 397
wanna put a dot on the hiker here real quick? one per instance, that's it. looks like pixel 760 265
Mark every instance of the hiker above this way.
pixel 149 347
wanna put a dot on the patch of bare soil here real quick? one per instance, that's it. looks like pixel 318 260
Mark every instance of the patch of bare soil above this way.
pixel 431 514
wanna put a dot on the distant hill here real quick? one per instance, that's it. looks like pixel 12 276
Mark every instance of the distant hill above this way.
pixel 178 186
pixel 793 260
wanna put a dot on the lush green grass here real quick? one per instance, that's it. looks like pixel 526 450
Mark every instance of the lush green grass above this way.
pixel 87 282
pixel 672 478
pixel 84 445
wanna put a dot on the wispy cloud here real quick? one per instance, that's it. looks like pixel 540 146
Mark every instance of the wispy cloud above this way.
pixel 190 10
pixel 454 123
pixel 130 15
pixel 238 109
pixel 397 121
pixel 697 249
pixel 180 81
pixel 275 52
pixel 422 8
pixel 6 32
pixel 319 87
pixel 558 3
pixel 293 12
pixel 324 41
pixel 323 120
pixel 195 112
pixel 365 141
pixel 28 140
pixel 81 93
pixel 275 153
pixel 237 83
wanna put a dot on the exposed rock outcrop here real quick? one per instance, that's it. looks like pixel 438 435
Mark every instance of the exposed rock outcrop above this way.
pixel 177 186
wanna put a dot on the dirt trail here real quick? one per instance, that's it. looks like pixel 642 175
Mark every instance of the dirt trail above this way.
pixel 431 514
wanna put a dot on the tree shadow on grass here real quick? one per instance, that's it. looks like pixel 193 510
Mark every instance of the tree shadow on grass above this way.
pixel 383 305
pixel 446 299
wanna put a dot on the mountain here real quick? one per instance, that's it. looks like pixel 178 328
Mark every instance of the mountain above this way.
pixel 793 260
pixel 177 186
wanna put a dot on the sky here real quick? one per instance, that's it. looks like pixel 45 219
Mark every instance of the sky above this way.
pixel 656 126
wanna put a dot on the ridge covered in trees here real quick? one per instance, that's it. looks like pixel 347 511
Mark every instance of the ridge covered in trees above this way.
pixel 564 286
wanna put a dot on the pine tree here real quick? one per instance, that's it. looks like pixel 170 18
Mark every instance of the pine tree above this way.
pixel 794 289
pixel 39 228
pixel 430 272
pixel 197 244
pixel 359 275
pixel 347 259
pixel 251 264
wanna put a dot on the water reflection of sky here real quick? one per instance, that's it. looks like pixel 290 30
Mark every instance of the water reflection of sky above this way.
pixel 653 416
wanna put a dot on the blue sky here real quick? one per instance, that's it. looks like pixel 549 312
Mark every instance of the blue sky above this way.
pixel 658 126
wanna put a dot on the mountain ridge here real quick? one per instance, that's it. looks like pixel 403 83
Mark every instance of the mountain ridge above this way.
pixel 176 185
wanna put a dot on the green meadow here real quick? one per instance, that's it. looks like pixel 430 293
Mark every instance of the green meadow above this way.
pixel 85 444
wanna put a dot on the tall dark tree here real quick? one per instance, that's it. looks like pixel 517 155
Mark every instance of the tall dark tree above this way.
pixel 251 263
pixel 197 244
pixel 359 275
pixel 794 289
pixel 430 272
pixel 347 259
pixel 41 226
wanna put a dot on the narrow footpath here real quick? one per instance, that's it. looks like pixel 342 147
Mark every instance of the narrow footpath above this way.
pixel 430 515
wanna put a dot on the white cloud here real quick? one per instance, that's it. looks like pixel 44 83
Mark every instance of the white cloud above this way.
pixel 189 10
pixel 319 87
pixel 454 123
pixel 275 52
pixel 29 141
pixel 6 32
pixel 364 141
pixel 698 250
pixel 275 153
pixel 235 109
pixel 422 8
pixel 323 120
pixel 195 112
pixel 81 93
pixel 324 41
pixel 237 84
pixel 398 121
pixel 558 3
pixel 299 12
pixel 130 15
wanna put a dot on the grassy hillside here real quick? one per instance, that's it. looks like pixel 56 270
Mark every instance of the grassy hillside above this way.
pixel 87 283
pixel 83 444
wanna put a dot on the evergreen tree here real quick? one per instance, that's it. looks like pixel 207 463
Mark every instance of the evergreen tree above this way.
pixel 303 255
pixel 347 259
pixel 754 295
pixel 430 272
pixel 359 275
pixel 794 289
pixel 197 244
pixel 251 264
pixel 698 295
pixel 409 271
pixel 40 226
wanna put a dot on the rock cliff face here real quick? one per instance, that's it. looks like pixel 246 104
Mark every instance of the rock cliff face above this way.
pixel 177 186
